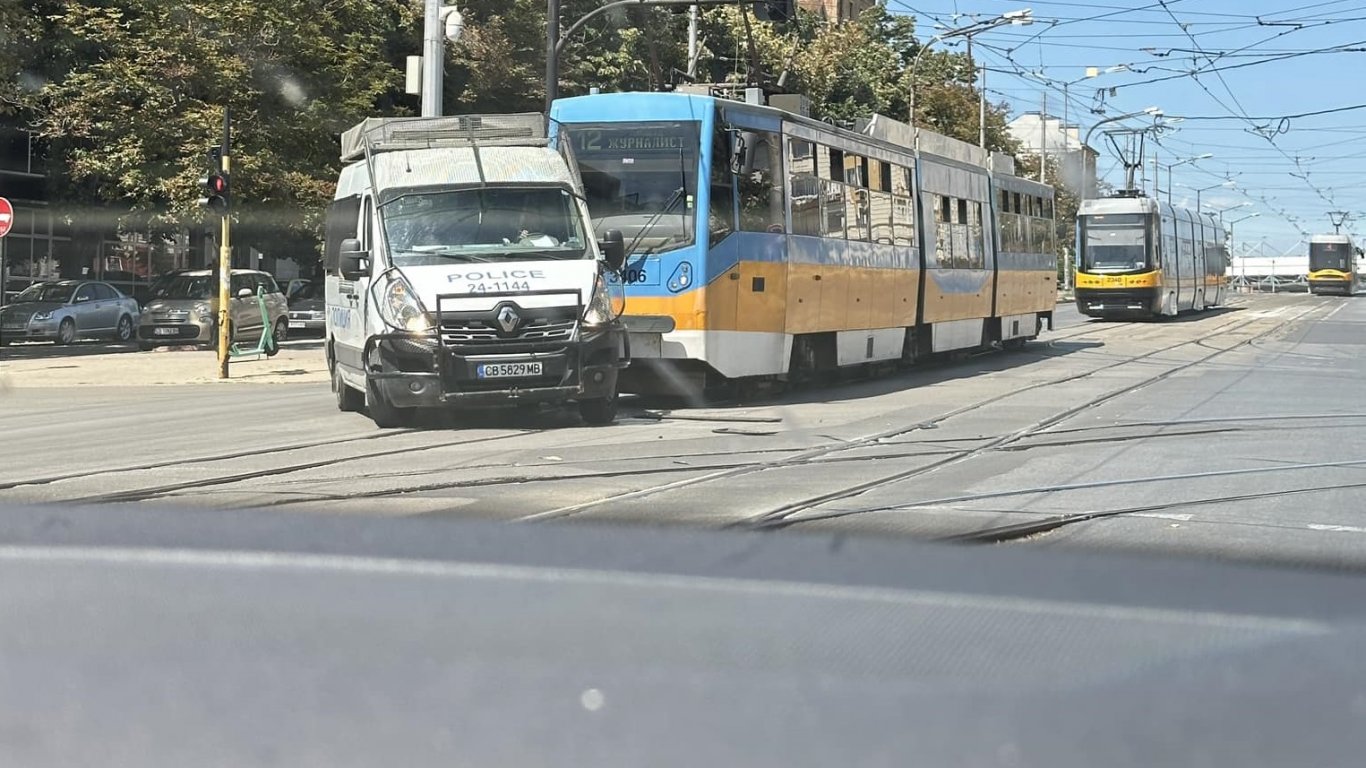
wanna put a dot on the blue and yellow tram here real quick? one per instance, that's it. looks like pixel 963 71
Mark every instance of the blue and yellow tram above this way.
pixel 766 244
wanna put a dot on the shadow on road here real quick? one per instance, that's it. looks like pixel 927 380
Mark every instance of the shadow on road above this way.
pixel 863 384
pixel 1184 317
pixel 36 350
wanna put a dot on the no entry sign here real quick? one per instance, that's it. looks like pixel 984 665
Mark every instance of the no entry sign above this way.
pixel 6 216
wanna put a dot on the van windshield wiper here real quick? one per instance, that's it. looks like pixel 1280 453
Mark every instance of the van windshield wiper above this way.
pixel 447 253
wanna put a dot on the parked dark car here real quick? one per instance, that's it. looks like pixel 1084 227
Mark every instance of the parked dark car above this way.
pixel 307 307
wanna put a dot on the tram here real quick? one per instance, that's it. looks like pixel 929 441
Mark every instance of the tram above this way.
pixel 1333 261
pixel 766 245
pixel 1140 258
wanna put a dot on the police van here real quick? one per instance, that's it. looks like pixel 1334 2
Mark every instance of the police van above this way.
pixel 462 271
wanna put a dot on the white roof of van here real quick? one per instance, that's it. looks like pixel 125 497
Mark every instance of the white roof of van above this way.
pixel 453 166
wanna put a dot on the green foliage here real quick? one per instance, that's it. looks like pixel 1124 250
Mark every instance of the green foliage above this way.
pixel 129 94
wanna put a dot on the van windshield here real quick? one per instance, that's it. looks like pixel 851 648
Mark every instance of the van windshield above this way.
pixel 483 224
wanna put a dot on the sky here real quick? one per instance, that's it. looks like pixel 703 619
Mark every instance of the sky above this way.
pixel 1241 75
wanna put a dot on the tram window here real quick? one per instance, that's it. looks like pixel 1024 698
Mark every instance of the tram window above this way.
pixel 880 217
pixel 1004 201
pixel 721 212
pixel 805 193
pixel 1048 207
pixel 761 190
pixel 854 219
pixel 901 181
pixel 1015 202
pixel 962 212
pixel 976 254
pixel 802 160
pixel 881 175
pixel 836 170
pixel 832 207
pixel 903 220
pixel 854 169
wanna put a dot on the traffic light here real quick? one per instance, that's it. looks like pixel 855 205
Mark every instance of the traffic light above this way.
pixel 773 10
pixel 216 196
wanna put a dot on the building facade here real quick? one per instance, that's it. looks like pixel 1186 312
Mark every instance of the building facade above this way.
pixel 836 10
pixel 1043 134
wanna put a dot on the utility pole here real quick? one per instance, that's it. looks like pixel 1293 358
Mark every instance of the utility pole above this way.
pixel 1043 138
pixel 433 59
pixel 225 254
pixel 693 13
pixel 981 100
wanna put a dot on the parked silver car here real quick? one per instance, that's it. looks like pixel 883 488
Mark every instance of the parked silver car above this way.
pixel 66 310
pixel 184 309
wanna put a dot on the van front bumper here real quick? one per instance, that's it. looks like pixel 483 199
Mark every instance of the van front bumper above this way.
pixel 419 371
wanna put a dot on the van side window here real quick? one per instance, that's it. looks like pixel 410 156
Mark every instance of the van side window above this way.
pixel 366 228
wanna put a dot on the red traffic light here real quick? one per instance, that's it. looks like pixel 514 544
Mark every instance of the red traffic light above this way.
pixel 215 197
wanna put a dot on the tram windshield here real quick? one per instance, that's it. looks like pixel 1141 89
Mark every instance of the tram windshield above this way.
pixel 1115 242
pixel 1329 256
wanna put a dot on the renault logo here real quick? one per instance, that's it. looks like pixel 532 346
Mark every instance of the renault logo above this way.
pixel 508 319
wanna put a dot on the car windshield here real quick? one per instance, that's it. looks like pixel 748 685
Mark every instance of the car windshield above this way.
pixel 483 224
pixel 201 287
pixel 305 291
pixel 55 292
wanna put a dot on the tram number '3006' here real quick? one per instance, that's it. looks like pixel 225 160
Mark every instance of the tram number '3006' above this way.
pixel 629 276
pixel 499 286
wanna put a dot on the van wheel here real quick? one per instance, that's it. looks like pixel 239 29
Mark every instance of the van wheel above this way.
pixel 598 412
pixel 348 400
pixel 385 414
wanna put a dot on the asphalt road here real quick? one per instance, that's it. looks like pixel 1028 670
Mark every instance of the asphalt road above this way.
pixel 1234 434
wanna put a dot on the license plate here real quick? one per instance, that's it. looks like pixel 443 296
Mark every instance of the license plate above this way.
pixel 506 370
pixel 166 331
pixel 296 323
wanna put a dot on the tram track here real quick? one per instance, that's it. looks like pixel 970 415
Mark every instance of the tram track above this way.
pixel 783 516
pixel 864 441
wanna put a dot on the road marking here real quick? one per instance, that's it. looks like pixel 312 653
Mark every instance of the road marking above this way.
pixel 1336 528
pixel 1164 516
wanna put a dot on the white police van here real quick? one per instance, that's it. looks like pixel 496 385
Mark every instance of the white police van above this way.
pixel 462 271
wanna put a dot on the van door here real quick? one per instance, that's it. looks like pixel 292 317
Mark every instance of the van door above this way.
pixel 348 217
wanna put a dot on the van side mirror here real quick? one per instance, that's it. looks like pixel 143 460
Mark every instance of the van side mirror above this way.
pixel 353 259
pixel 613 247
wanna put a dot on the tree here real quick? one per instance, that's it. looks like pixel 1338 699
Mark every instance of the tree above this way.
pixel 138 89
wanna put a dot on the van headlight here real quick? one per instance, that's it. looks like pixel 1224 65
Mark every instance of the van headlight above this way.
pixel 606 304
pixel 400 307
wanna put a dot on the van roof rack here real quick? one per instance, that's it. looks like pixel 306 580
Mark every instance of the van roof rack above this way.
pixel 388 134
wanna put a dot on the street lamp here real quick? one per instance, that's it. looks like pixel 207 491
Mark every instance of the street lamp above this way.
pixel 1169 168
pixel 1228 234
pixel 1201 190
pixel 1021 18
pixel 1220 211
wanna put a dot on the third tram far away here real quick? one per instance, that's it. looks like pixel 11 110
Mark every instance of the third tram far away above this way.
pixel 1333 265
pixel 1138 258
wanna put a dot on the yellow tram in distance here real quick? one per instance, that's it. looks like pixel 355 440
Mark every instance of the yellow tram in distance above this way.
pixel 1139 258
pixel 1333 265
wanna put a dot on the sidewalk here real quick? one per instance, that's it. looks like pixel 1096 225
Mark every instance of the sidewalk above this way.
pixel 111 365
